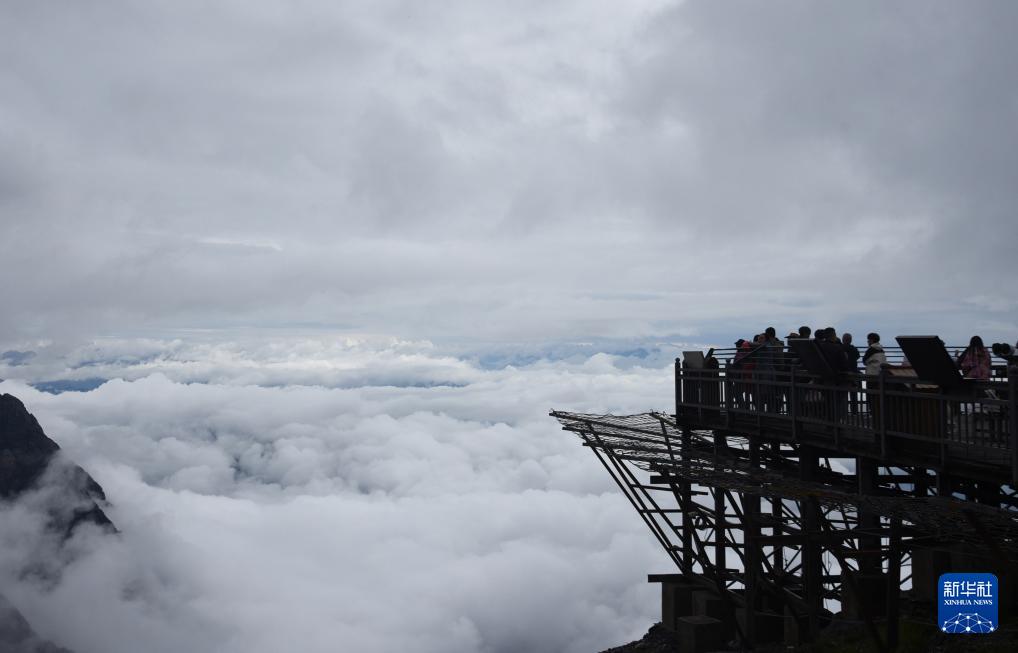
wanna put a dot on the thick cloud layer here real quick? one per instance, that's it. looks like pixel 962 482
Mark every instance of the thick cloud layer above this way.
pixel 524 171
pixel 270 517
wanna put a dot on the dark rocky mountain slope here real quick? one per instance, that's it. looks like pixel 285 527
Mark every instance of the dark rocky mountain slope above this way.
pixel 31 465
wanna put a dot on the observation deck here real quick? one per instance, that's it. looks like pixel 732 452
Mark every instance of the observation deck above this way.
pixel 787 493
pixel 919 411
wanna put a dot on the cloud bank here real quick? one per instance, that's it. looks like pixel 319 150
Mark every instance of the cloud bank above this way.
pixel 371 518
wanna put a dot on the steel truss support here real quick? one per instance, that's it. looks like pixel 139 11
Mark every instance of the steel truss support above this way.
pixel 783 530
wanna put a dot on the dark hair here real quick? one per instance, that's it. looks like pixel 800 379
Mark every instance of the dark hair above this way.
pixel 976 343
pixel 804 331
pixel 770 332
pixel 820 334
pixel 873 336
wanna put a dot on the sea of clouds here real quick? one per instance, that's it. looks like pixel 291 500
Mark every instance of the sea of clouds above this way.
pixel 338 494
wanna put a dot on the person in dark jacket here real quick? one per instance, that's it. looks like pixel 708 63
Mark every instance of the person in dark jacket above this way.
pixel 770 358
pixel 852 366
pixel 834 352
pixel 851 352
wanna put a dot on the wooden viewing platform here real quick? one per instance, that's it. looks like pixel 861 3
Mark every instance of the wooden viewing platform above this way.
pixel 785 492
pixel 915 413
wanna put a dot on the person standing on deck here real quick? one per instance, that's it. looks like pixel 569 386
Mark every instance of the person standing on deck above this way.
pixel 873 361
pixel 770 358
pixel 851 365
pixel 836 403
pixel 832 349
pixel 874 356
pixel 851 352
pixel 974 362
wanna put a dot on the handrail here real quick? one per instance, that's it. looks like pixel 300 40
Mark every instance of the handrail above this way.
pixel 888 411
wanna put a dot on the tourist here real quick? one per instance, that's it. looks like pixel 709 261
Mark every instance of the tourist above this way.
pixel 770 359
pixel 851 352
pixel 974 362
pixel 832 350
pixel 851 365
pixel 874 358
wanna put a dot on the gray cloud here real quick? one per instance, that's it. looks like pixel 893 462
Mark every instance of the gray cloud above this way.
pixel 490 169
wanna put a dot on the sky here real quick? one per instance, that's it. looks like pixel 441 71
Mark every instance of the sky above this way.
pixel 493 170
pixel 316 271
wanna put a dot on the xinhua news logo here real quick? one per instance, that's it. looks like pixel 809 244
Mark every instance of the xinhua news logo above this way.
pixel 968 603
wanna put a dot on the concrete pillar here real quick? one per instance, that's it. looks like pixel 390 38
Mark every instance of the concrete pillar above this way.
pixel 700 634
pixel 708 604
pixel 676 602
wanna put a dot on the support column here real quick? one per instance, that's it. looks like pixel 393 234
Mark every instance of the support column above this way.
pixel 751 512
pixel 720 557
pixel 812 564
pixel 893 583
pixel 686 503
pixel 942 556
pixel 870 579
pixel 778 554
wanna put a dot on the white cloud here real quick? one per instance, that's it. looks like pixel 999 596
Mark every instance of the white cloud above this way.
pixel 371 518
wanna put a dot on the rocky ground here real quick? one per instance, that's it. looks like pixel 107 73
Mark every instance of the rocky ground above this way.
pixel 657 640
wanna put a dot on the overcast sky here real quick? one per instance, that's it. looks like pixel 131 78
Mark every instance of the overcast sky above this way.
pixel 338 259
pixel 536 170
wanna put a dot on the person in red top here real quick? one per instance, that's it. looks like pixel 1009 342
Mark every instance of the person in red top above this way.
pixel 974 362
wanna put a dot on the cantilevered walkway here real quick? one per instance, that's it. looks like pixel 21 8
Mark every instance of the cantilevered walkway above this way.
pixel 785 491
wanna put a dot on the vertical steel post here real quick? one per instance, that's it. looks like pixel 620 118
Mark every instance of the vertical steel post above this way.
pixel 893 583
pixel 687 509
pixel 793 406
pixel 1012 408
pixel 868 592
pixel 812 562
pixel 882 409
pixel 751 540
pixel 678 389
pixel 720 562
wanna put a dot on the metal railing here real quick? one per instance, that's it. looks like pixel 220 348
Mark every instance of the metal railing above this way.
pixel 892 414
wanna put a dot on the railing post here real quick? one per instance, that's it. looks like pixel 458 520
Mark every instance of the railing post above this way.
pixel 1012 408
pixel 730 400
pixel 793 407
pixel 882 409
pixel 678 389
